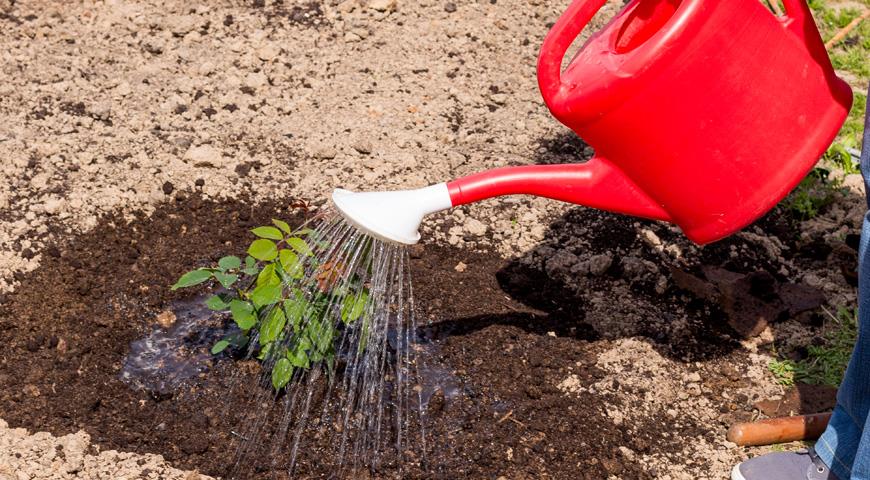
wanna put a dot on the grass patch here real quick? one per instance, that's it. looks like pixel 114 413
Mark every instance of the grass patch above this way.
pixel 815 193
pixel 852 56
pixel 826 363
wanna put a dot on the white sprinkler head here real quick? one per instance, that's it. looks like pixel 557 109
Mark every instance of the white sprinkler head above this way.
pixel 392 216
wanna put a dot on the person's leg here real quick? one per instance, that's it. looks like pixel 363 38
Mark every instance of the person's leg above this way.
pixel 861 467
pixel 845 445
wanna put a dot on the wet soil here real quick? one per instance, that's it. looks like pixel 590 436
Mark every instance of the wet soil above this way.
pixel 67 330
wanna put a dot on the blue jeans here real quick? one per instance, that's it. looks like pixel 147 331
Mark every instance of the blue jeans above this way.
pixel 845 445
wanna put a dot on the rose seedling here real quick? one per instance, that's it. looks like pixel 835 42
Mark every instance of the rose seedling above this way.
pixel 286 301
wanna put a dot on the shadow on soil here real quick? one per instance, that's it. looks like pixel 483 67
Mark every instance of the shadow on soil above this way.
pixel 677 322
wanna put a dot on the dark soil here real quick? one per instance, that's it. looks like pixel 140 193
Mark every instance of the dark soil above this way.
pixel 68 328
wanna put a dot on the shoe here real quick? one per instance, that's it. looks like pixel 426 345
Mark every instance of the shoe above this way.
pixel 798 465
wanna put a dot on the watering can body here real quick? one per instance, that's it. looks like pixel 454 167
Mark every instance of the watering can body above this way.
pixel 704 113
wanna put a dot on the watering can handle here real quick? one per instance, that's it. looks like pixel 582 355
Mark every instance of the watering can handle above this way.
pixel 553 50
pixel 799 19
pixel 556 44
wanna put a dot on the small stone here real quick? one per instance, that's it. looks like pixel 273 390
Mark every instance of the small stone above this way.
pixel 449 7
pixel 460 267
pixel 243 169
pixel 256 80
pixel 166 319
pixel 199 182
pixel 31 390
pixel 168 188
pixel 268 52
pixel 182 24
pixel 53 206
pixel 325 153
pixel 650 238
pixel 183 142
pixel 123 89
pixel 561 262
pixel 475 227
pixel 363 146
pixel 204 156
pixel 382 5
pixel 346 6
pixel 627 453
pixel 61 346
pixel 499 98
pixel 599 264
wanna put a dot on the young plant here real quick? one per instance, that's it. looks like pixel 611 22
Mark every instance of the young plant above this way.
pixel 283 299
pixel 815 193
pixel 825 364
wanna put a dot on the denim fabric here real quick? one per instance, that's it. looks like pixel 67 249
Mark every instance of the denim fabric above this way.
pixel 845 445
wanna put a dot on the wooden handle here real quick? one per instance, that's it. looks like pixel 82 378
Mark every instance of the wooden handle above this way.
pixel 779 430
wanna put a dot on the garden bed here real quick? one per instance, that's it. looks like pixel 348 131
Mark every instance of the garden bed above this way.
pixel 512 354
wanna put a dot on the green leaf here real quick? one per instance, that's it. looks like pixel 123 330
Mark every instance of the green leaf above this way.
pixel 190 279
pixel 294 310
pixel 303 231
pixel 281 373
pixel 250 266
pixel 298 357
pixel 315 356
pixel 226 279
pixel 364 335
pixel 268 232
pixel 215 302
pixel 300 246
pixel 243 314
pixel 237 340
pixel 268 276
pixel 283 226
pixel 321 335
pixel 353 306
pixel 266 295
pixel 264 250
pixel 219 347
pixel 273 327
pixel 265 350
pixel 229 263
pixel 290 263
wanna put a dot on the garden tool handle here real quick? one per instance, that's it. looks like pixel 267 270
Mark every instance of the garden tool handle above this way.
pixel 778 430
pixel 553 50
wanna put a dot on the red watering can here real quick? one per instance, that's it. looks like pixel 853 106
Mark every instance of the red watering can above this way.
pixel 704 113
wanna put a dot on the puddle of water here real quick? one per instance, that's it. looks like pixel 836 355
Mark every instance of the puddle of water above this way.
pixel 434 377
pixel 166 358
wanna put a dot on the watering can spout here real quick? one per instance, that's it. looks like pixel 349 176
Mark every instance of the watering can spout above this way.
pixel 396 215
